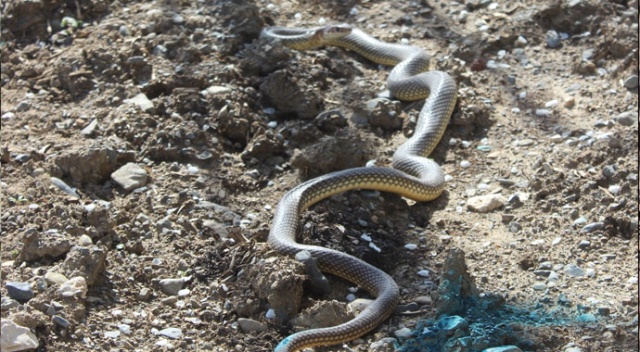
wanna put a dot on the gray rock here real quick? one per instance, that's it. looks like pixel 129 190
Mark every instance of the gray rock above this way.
pixel 574 270
pixel 130 176
pixel 172 286
pixel 20 291
pixel 250 325
pixel 553 39
pixel 594 226
pixel 142 102
pixel 539 286
pixel 8 303
pixel 144 294
pixel 90 129
pixel 60 321
pixel 631 82
pixel 627 118
pixel 22 158
pixel 584 244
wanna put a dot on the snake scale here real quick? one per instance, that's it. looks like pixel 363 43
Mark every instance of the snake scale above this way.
pixel 412 174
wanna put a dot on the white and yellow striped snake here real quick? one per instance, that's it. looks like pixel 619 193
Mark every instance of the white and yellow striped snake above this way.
pixel 412 175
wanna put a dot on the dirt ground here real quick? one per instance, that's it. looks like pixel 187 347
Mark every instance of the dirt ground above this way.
pixel 208 126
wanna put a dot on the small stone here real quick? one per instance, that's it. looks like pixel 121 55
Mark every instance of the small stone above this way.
pixel 525 142
pixel 424 300
pixel 60 321
pixel 584 244
pixel 510 348
pixel 594 226
pixel 172 286
pixel 574 270
pixel 465 164
pixel 113 334
pixel 486 203
pixel 614 189
pixel 142 102
pixel 250 325
pixel 553 39
pixel 539 286
pixel 172 333
pixel 627 118
pixel 8 303
pixel 125 329
pixel 215 90
pixel 130 176
pixel 54 278
pixel 604 311
pixel 144 294
pixel 20 291
pixel 402 333
pixel 543 112
pixel 631 82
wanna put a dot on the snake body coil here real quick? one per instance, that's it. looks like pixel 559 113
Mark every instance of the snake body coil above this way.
pixel 413 175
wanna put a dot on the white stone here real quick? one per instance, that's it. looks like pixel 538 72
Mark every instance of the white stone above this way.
pixel 486 203
pixel 16 338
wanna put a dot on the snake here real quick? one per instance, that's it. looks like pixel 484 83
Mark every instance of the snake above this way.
pixel 412 173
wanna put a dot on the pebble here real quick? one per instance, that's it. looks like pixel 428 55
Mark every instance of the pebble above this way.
pixel 410 246
pixel 423 273
pixel 144 294
pixel 553 39
pixel 551 103
pixel 627 118
pixel 60 321
pixel 20 291
pixel 594 226
pixel 172 333
pixel 509 348
pixel 215 90
pixel 543 112
pixel 584 244
pixel 486 203
pixel 141 101
pixel 130 176
pixel 524 142
pixel 270 314
pixel 574 270
pixel 402 333
pixel 465 164
pixel 614 189
pixel 631 82
pixel 8 303
pixel 250 325
pixel 172 286
pixel 539 286
pixel 54 278
pixel 113 334
pixel 125 329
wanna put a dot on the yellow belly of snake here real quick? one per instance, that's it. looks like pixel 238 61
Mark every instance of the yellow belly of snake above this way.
pixel 412 175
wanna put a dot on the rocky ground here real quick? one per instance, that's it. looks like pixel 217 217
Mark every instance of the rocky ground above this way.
pixel 145 146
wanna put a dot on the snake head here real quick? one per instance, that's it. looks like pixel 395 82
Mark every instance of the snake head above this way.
pixel 335 31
